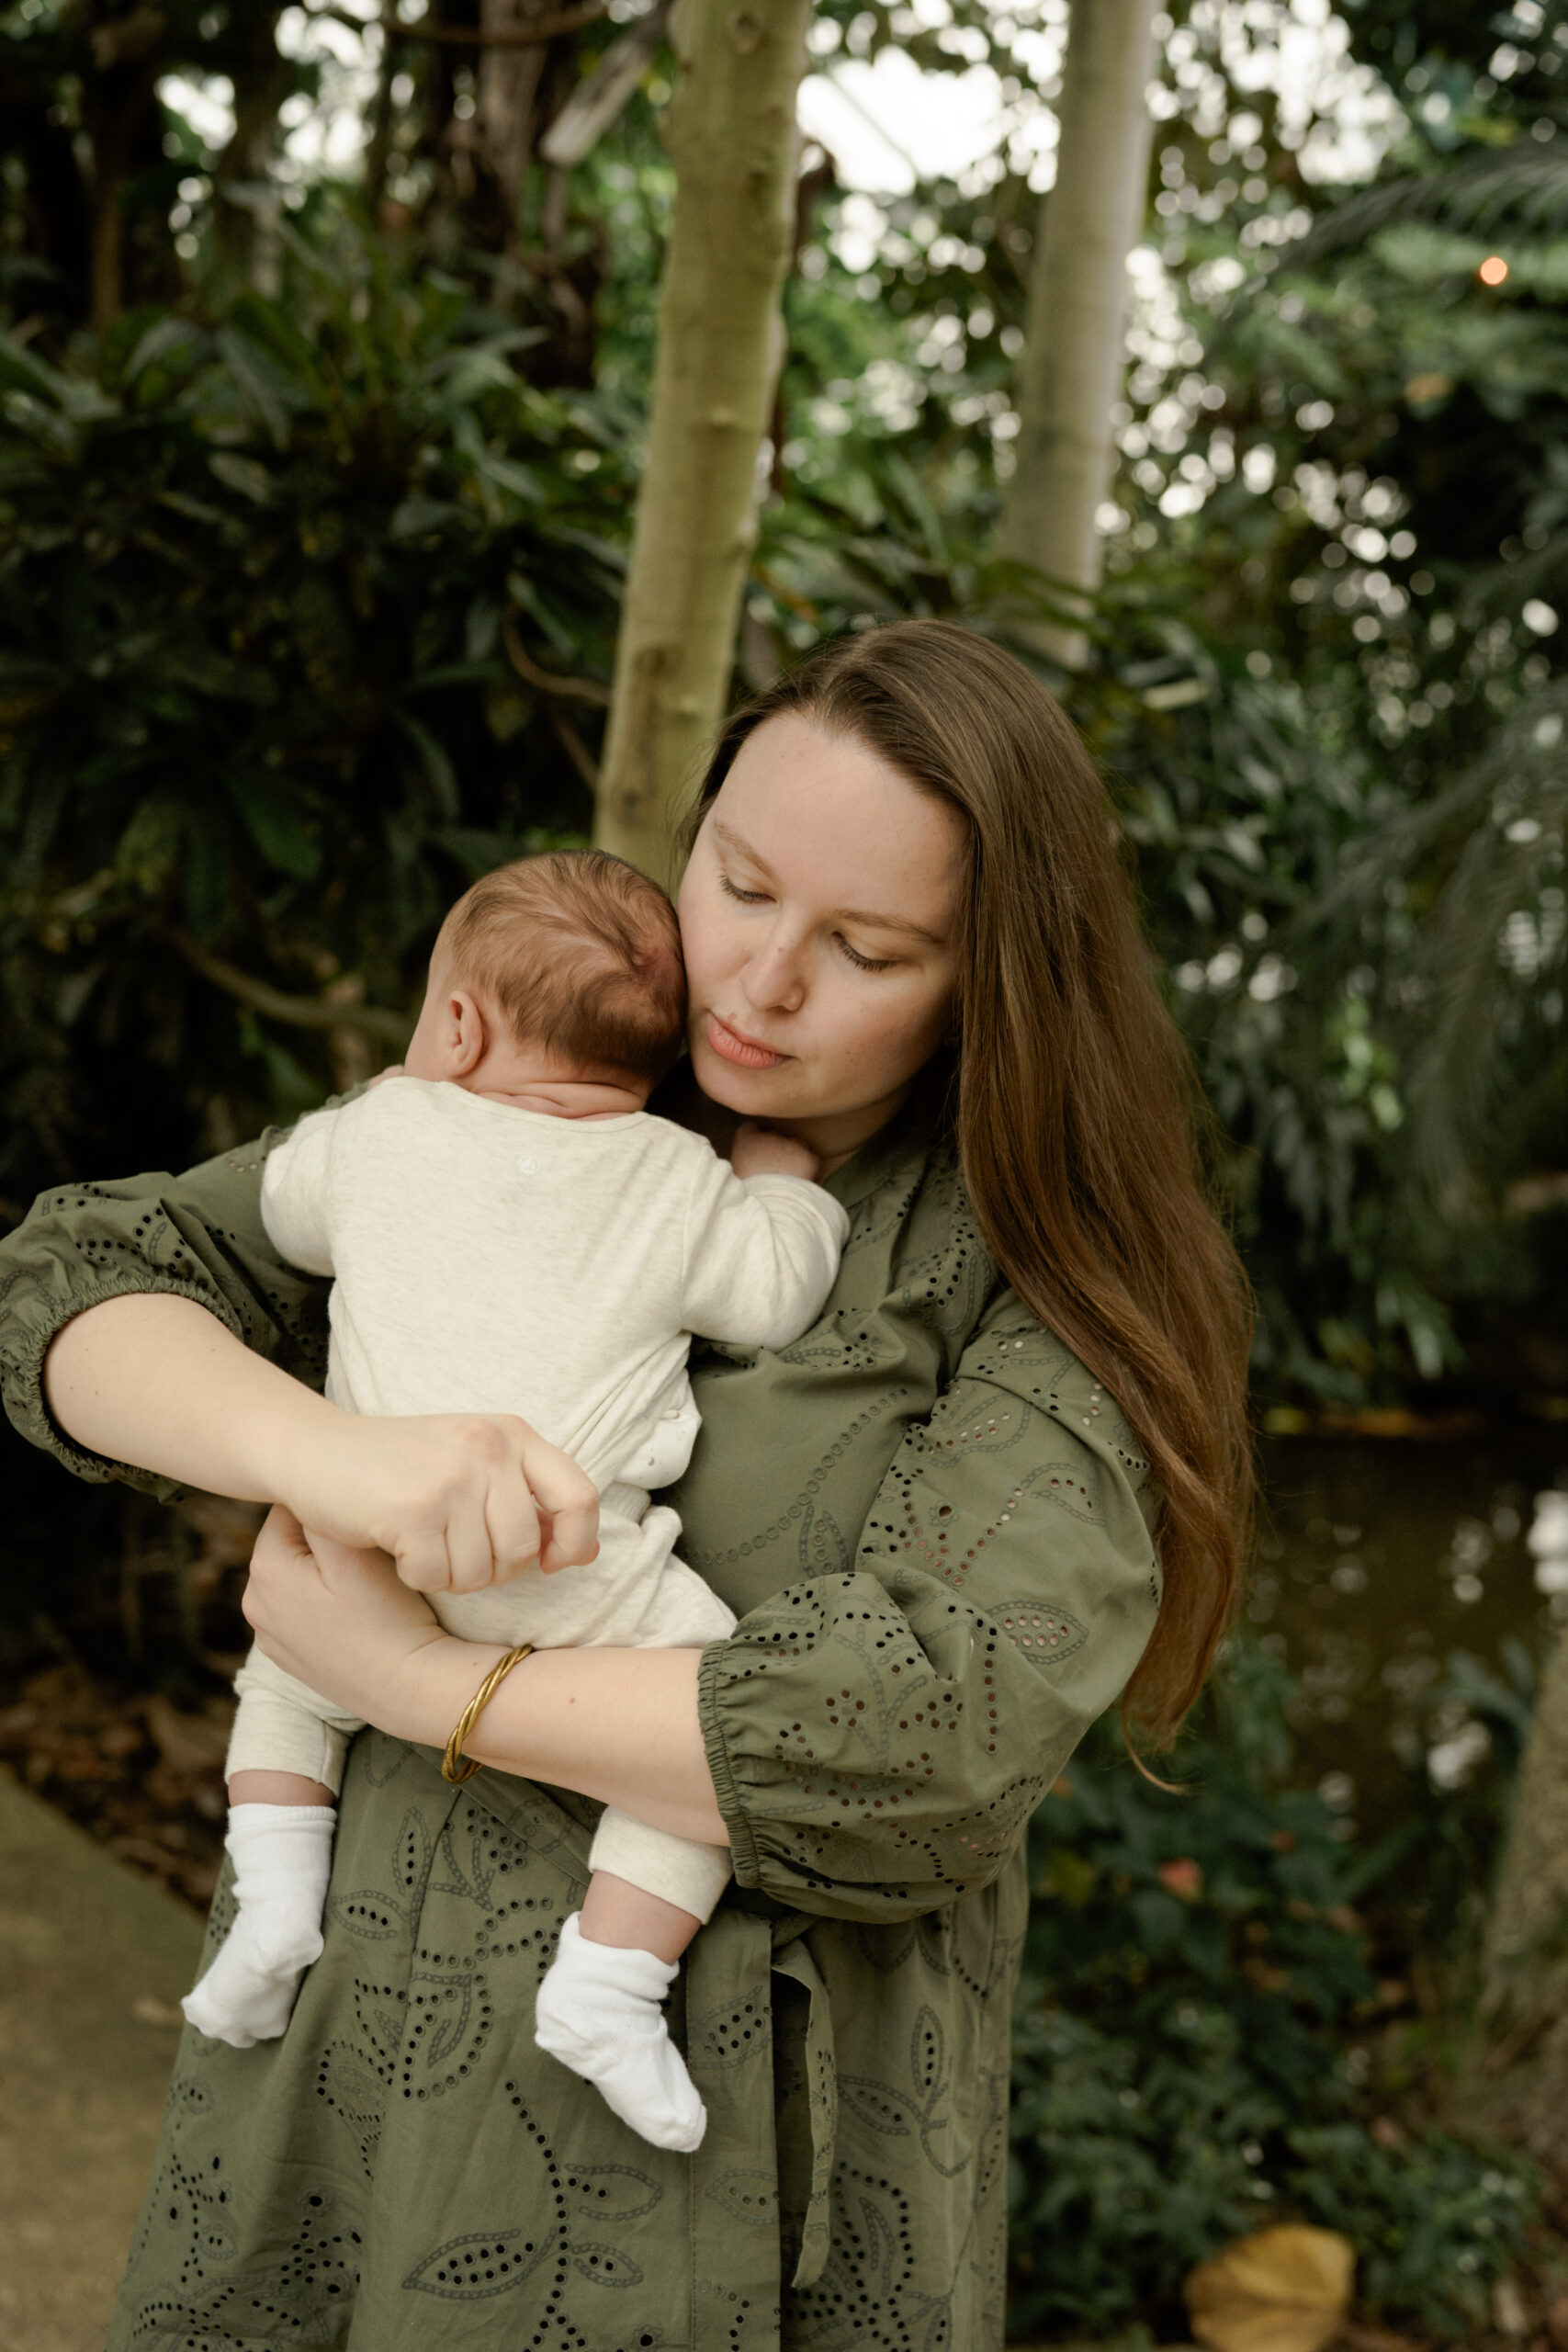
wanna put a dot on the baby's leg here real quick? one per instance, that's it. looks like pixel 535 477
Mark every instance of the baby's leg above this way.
pixel 282 1853
pixel 285 1769
pixel 616 1912
pixel 599 2008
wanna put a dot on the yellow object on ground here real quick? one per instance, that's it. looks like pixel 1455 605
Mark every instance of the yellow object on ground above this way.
pixel 1283 2290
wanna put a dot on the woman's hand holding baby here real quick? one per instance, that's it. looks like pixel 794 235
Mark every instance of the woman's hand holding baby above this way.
pixel 335 1616
pixel 762 1151
pixel 460 1500
pixel 618 1725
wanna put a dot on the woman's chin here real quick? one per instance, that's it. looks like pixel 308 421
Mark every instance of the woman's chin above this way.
pixel 750 1093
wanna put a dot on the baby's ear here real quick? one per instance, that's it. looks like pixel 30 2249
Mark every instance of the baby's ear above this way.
pixel 466 1040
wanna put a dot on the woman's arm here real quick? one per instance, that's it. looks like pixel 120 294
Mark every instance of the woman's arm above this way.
pixel 159 1381
pixel 195 1238
pixel 878 1737
pixel 156 1380
pixel 149 1331
pixel 617 1725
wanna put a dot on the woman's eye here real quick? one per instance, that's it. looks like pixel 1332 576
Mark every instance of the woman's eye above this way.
pixel 865 963
pixel 747 898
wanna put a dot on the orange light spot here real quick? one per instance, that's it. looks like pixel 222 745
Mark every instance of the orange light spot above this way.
pixel 1492 270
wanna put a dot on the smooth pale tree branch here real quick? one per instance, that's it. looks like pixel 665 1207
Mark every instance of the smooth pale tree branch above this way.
pixel 1073 359
pixel 731 133
pixel 1513 2085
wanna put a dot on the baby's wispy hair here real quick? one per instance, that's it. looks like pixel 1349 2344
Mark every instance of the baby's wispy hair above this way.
pixel 579 954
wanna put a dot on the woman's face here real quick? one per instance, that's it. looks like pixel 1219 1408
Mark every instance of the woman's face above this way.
pixel 818 915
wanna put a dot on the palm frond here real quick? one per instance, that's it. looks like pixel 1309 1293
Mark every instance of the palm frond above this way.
pixel 1488 1049
pixel 1522 188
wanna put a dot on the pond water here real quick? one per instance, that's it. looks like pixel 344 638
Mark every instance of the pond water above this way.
pixel 1378 1559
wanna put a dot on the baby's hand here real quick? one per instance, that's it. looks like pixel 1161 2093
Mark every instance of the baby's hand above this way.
pixel 762 1151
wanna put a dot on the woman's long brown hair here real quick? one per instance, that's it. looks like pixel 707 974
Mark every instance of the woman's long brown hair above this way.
pixel 1076 1109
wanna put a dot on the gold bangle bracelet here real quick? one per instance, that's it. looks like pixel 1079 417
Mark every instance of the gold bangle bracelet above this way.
pixel 454 1765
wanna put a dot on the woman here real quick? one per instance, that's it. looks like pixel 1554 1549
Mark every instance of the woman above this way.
pixel 944 1520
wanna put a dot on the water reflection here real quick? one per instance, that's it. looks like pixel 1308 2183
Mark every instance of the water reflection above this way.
pixel 1379 1559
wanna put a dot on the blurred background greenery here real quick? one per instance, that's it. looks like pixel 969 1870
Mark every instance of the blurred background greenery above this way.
pixel 322 421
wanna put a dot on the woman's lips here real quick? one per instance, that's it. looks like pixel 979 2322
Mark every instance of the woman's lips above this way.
pixel 731 1046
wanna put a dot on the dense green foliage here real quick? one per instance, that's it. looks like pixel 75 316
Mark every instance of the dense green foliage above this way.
pixel 314 502
pixel 1198 2025
pixel 285 530
pixel 255 582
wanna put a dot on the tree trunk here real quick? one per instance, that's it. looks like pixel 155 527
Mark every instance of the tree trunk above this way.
pixel 732 139
pixel 1072 362
pixel 247 233
pixel 1514 2085
pixel 119 115
pixel 506 104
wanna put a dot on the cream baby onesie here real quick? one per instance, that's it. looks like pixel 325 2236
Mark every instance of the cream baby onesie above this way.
pixel 491 1260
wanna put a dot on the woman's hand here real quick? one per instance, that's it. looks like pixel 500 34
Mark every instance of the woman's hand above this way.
pixel 340 1620
pixel 460 1500
pixel 618 1725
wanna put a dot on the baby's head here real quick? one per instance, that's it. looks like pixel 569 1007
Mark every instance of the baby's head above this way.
pixel 565 967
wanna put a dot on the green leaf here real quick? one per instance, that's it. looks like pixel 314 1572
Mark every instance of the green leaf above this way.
pixel 276 825
pixel 260 384
pixel 435 760
pixel 247 475
pixel 163 336
pixel 418 518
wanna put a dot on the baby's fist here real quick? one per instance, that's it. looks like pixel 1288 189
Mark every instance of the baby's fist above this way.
pixel 762 1151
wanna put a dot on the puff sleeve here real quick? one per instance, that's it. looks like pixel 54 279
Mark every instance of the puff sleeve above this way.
pixel 879 1737
pixel 198 1235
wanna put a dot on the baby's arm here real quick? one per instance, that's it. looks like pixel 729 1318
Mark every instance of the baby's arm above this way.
pixel 763 1243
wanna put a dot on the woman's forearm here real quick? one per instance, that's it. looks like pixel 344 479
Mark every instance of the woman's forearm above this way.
pixel 458 1499
pixel 617 1725
pixel 158 1382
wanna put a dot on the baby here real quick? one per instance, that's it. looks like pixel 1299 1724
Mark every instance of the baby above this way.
pixel 511 1232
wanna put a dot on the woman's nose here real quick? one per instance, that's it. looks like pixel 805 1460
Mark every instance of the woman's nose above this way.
pixel 775 978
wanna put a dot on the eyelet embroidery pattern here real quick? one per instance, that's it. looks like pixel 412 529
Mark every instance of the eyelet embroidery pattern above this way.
pixel 120 1238
pixel 410 2045
pixel 879 1740
pixel 1043 1635
pixel 870 1712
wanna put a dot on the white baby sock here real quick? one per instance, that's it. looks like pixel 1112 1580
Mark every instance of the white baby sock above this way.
pixel 282 1856
pixel 599 2013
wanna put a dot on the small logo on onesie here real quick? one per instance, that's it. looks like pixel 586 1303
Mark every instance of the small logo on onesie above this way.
pixel 527 1165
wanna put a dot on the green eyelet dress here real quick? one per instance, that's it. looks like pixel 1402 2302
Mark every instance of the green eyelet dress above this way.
pixel 935 1530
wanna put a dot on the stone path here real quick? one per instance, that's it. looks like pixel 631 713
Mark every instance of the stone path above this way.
pixel 92 1962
